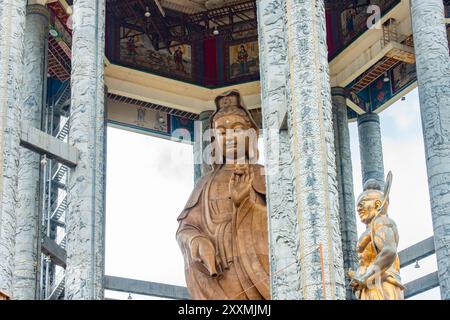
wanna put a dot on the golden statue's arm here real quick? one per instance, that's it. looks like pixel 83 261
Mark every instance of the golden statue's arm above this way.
pixel 384 239
pixel 385 243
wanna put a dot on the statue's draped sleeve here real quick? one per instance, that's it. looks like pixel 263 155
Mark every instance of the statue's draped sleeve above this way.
pixel 190 220
pixel 194 197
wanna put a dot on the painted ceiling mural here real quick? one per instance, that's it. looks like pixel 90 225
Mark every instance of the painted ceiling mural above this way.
pixel 229 56
pixel 212 49
pixel 180 42
pixel 346 25
pixel 137 51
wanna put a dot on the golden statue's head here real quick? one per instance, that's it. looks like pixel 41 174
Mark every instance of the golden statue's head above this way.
pixel 371 202
pixel 234 131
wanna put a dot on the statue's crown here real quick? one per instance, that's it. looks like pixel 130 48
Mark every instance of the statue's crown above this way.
pixel 231 110
pixel 230 103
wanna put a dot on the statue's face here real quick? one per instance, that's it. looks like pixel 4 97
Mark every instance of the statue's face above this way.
pixel 233 135
pixel 368 207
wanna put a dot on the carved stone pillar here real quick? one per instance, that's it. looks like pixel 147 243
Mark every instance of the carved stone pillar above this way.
pixel 370 148
pixel 33 96
pixel 433 75
pixel 347 212
pixel 86 188
pixel 202 125
pixel 281 203
pixel 312 145
pixel 12 29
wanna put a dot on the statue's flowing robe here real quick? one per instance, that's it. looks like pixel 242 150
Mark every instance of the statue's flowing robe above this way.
pixel 239 236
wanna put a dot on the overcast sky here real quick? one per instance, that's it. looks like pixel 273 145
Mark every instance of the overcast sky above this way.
pixel 149 180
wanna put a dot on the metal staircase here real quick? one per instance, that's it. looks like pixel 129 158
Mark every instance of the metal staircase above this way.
pixel 399 48
pixel 384 65
pixel 60 173
pixel 62 244
pixel 62 134
pixel 60 209
pixel 62 103
pixel 59 64
pixel 390 32
pixel 58 288
pixel 54 196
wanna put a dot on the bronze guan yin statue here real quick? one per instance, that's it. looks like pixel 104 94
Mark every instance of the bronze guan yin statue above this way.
pixel 223 227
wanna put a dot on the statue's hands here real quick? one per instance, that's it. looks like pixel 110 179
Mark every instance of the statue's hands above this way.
pixel 241 184
pixel 203 252
pixel 357 283
pixel 356 280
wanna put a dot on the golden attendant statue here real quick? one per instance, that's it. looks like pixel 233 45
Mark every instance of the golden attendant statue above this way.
pixel 378 274
pixel 223 227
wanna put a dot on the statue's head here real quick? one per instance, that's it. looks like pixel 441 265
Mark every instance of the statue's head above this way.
pixel 370 202
pixel 235 133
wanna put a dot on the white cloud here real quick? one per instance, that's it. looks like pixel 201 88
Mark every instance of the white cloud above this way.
pixel 404 114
